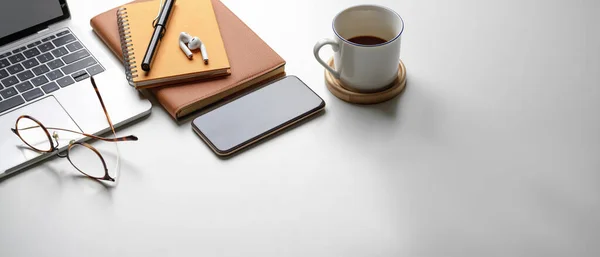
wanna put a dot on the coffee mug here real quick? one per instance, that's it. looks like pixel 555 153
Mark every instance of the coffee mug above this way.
pixel 366 47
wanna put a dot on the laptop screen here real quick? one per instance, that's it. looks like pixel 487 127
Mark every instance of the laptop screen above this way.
pixel 18 15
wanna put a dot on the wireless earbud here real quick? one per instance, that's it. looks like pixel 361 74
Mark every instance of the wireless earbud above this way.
pixel 185 38
pixel 192 44
pixel 195 43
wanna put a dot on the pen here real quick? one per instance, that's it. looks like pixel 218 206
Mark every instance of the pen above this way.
pixel 159 32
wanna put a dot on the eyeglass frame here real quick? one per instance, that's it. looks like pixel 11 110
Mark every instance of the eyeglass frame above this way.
pixel 72 143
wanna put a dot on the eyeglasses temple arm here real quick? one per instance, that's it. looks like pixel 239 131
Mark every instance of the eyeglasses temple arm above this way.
pixel 103 107
pixel 126 138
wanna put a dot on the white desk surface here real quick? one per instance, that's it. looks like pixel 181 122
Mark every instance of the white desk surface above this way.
pixel 492 150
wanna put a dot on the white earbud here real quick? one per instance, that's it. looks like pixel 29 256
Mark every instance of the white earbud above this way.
pixel 192 44
pixel 185 38
pixel 196 43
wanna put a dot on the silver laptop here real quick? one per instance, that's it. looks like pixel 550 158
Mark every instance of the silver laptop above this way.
pixel 45 65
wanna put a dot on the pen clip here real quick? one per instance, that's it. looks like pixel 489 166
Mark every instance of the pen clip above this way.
pixel 160 9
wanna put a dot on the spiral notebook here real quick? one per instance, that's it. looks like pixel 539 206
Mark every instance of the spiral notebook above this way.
pixel 170 65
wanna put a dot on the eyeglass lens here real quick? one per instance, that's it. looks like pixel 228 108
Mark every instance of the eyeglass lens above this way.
pixel 86 160
pixel 33 134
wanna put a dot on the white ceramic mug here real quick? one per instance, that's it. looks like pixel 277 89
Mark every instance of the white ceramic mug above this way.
pixel 364 67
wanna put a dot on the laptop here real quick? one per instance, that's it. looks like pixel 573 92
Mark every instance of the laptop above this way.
pixel 45 65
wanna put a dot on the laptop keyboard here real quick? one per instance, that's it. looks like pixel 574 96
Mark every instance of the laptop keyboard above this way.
pixel 42 67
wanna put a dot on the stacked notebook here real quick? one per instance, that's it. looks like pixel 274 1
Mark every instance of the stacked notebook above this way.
pixel 250 60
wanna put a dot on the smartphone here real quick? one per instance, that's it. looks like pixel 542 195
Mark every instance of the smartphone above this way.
pixel 257 115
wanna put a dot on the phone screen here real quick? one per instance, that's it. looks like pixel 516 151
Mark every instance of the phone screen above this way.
pixel 257 114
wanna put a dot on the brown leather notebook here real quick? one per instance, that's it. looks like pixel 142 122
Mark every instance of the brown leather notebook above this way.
pixel 252 61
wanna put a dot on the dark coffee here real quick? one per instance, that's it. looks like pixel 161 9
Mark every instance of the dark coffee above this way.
pixel 367 40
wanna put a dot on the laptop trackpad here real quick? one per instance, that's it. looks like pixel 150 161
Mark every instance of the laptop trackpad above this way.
pixel 47 111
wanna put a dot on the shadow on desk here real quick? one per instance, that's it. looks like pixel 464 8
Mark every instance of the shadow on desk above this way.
pixel 57 178
pixel 315 116
pixel 387 109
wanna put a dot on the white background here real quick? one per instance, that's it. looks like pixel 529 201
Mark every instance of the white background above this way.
pixel 492 150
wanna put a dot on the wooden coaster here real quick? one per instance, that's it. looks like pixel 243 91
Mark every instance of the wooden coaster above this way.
pixel 336 88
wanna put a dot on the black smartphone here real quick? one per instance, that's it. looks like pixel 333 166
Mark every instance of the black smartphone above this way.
pixel 257 115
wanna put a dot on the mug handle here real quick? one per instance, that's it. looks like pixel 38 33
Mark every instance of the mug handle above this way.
pixel 334 46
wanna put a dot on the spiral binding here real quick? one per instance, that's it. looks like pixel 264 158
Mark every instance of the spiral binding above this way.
pixel 126 46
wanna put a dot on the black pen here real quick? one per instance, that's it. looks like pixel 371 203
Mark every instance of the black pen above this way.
pixel 159 32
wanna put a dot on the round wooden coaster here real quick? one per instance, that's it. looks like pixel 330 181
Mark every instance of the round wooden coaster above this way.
pixel 336 88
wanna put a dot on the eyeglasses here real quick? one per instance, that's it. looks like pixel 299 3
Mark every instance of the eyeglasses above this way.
pixel 84 157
